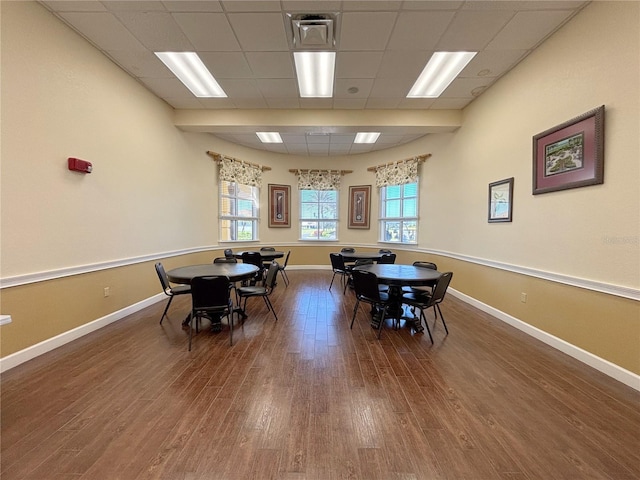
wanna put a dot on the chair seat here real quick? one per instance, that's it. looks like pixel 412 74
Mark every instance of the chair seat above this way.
pixel 251 290
pixel 181 289
pixel 416 297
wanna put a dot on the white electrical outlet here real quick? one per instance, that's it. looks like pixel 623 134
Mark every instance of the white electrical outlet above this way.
pixel 107 291
pixel 523 297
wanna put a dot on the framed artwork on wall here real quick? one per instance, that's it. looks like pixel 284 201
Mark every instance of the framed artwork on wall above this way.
pixel 359 206
pixel 570 155
pixel 279 205
pixel 501 200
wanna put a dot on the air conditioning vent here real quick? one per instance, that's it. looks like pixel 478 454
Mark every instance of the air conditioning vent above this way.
pixel 313 31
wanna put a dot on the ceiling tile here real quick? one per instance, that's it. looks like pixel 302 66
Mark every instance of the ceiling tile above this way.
pixel 138 6
pixel 192 6
pixel 472 31
pixel 357 64
pixel 278 88
pixel 342 86
pixel 209 32
pixel 251 6
pixel 104 29
pixel 226 64
pixel 157 31
pixel 366 30
pixel 419 30
pixel 403 64
pixel 140 63
pixel 280 103
pixel 271 64
pixel 75 6
pixel 259 32
pixel 527 29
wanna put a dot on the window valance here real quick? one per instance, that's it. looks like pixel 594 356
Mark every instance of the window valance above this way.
pixel 319 179
pixel 239 171
pixel 398 173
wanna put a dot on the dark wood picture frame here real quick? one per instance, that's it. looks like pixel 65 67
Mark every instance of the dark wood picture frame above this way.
pixel 279 206
pixel 570 155
pixel 359 206
pixel 501 201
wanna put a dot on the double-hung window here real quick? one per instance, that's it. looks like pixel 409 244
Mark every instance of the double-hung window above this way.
pixel 318 214
pixel 238 211
pixel 399 213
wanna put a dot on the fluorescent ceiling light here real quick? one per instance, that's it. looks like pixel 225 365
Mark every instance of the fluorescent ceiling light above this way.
pixel 269 137
pixel 441 70
pixel 366 137
pixel 315 73
pixel 190 70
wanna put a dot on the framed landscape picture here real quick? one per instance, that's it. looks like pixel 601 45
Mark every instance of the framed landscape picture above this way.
pixel 279 205
pixel 570 155
pixel 501 200
pixel 359 206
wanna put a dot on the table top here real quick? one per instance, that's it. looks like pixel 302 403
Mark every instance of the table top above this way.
pixel 265 254
pixel 235 271
pixel 353 256
pixel 400 275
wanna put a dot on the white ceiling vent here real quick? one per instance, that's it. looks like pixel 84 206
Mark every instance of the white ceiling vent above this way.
pixel 313 31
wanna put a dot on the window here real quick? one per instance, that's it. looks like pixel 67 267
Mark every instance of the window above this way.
pixel 318 214
pixel 399 213
pixel 238 212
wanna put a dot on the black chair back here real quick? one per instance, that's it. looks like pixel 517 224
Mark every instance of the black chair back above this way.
pixel 337 262
pixel 162 275
pixel 348 250
pixel 267 249
pixel 441 288
pixel 225 260
pixel 286 260
pixel 430 265
pixel 365 285
pixel 270 280
pixel 210 293
pixel 387 258
pixel 228 253
pixel 384 250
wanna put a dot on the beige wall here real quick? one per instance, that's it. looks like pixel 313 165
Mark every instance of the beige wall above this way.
pixel 153 191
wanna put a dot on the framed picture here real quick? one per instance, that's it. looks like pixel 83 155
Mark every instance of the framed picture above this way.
pixel 359 206
pixel 501 200
pixel 279 205
pixel 570 155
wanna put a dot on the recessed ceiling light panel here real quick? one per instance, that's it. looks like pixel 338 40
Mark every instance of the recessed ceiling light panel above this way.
pixel 366 137
pixel 190 70
pixel 269 137
pixel 440 71
pixel 315 73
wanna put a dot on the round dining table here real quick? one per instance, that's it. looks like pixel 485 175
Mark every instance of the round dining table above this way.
pixel 235 272
pixel 350 257
pixel 398 276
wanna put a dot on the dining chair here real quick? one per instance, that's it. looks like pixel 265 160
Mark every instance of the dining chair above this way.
pixel 225 260
pixel 427 300
pixel 387 258
pixel 263 291
pixel 365 285
pixel 384 250
pixel 168 289
pixel 348 250
pixel 338 267
pixel 254 258
pixel 420 289
pixel 211 297
pixel 283 267
pixel 267 249
pixel 228 253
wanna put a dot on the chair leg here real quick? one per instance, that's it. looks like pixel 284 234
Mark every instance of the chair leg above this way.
pixel 285 277
pixel 345 281
pixel 166 309
pixel 190 329
pixel 442 318
pixel 334 276
pixel 270 306
pixel 230 319
pixel 355 310
pixel 382 315
pixel 426 324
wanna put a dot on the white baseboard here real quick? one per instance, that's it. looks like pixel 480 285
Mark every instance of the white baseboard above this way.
pixel 45 346
pixel 612 370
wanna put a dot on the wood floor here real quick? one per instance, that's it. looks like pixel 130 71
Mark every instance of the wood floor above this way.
pixel 308 398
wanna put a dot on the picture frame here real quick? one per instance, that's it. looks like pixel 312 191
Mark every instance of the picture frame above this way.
pixel 279 206
pixel 501 201
pixel 570 155
pixel 359 206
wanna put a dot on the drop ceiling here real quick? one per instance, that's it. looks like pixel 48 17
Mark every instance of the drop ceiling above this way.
pixel 382 46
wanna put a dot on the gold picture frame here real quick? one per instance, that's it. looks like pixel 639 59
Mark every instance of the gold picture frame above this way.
pixel 359 206
pixel 279 206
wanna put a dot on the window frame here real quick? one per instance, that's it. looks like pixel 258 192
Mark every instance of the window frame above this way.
pixel 402 219
pixel 236 219
pixel 302 220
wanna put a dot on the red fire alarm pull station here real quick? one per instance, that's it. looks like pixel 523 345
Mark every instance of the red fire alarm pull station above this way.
pixel 78 165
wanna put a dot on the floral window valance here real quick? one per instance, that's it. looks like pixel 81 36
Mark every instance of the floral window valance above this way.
pixel 398 173
pixel 318 179
pixel 239 171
